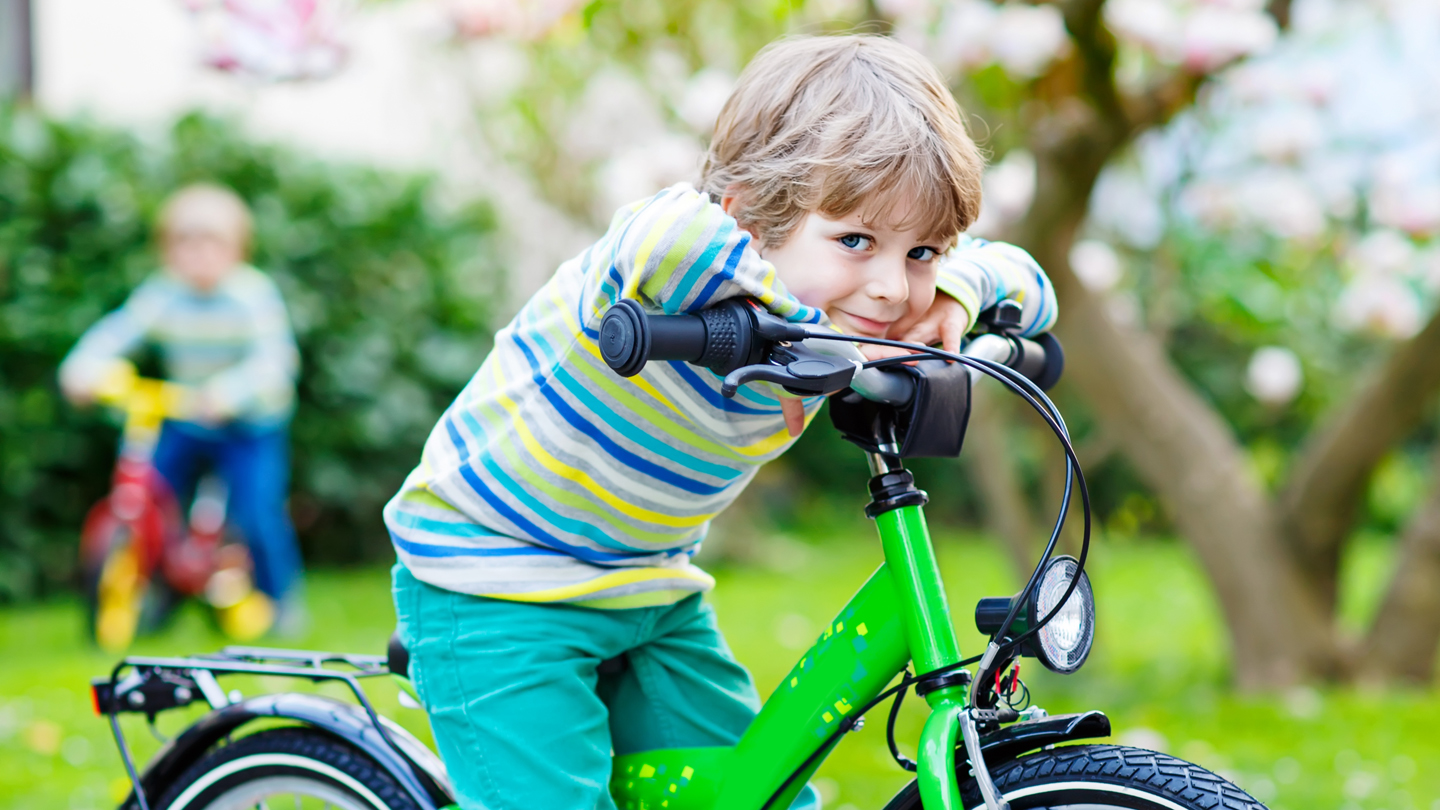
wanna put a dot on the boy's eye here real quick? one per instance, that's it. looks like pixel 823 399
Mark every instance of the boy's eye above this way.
pixel 855 241
pixel 924 254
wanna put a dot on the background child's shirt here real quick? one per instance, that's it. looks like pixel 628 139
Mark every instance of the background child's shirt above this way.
pixel 233 342
pixel 552 479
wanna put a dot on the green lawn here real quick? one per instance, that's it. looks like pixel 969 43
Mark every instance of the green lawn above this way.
pixel 1159 670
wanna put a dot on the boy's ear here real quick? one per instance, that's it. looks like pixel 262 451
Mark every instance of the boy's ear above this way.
pixel 733 205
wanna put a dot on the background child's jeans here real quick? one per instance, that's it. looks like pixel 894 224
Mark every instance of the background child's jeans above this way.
pixel 523 720
pixel 255 464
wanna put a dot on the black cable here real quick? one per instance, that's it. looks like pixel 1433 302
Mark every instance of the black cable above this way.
pixel 1031 393
pixel 903 761
pixel 906 681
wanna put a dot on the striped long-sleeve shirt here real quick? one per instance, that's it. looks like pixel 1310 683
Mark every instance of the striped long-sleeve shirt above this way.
pixel 552 479
pixel 234 342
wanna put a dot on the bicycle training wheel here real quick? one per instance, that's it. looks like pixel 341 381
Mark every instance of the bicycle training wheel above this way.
pixel 286 767
pixel 1099 777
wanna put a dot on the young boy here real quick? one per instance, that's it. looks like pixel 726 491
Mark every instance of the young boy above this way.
pixel 221 327
pixel 551 522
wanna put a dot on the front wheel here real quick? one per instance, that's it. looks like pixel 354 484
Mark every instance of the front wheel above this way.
pixel 283 768
pixel 1099 777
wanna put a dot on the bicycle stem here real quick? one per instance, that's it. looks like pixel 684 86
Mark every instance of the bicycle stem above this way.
pixel 929 629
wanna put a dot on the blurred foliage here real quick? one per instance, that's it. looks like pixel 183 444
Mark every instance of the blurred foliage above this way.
pixel 390 295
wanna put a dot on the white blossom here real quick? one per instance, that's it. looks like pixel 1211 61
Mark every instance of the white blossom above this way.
pixel 1025 39
pixel 645 168
pixel 1381 305
pixel 1096 264
pixel 1274 375
pixel 1009 188
pixel 705 94
pixel 1381 253
pixel 962 42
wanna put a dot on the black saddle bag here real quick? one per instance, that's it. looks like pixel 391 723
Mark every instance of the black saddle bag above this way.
pixel 933 426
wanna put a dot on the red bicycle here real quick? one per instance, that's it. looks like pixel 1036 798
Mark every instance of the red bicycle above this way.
pixel 138 558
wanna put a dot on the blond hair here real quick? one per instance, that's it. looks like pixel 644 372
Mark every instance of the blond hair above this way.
pixel 205 208
pixel 843 123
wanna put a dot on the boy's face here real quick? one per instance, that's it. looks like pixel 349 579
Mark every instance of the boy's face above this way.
pixel 202 260
pixel 871 280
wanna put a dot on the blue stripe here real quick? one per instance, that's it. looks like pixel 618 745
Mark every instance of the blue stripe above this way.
pixel 713 397
pixel 609 417
pixel 433 551
pixel 449 528
pixel 574 526
pixel 591 431
pixel 725 274
pixel 698 268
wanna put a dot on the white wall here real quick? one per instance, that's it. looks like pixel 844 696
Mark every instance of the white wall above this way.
pixel 401 100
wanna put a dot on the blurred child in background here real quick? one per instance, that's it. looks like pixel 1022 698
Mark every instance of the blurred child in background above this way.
pixel 220 326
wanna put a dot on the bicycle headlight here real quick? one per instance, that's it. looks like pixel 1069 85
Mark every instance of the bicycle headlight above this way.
pixel 1064 643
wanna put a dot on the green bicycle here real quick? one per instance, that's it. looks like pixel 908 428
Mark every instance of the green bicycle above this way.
pixel 977 749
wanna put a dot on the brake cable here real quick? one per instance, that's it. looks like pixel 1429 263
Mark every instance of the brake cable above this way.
pixel 1033 396
pixel 1026 389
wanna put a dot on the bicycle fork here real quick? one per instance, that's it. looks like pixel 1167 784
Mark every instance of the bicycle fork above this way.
pixel 896 507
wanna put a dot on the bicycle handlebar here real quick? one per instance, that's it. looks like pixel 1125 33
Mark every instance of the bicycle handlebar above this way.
pixel 741 340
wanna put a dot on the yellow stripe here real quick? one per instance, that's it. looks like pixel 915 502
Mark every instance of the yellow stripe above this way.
pixel 611 580
pixel 565 471
pixel 573 500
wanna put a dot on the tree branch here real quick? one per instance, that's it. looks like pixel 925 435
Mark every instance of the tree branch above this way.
pixel 1405 634
pixel 1323 494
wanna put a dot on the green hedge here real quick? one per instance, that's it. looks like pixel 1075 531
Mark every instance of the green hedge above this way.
pixel 390 295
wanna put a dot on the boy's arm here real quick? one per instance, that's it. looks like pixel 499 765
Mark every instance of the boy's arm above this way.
pixel 112 337
pixel 681 252
pixel 979 274
pixel 266 375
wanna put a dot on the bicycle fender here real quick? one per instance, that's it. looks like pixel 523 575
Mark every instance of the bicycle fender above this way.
pixel 418 771
pixel 1018 738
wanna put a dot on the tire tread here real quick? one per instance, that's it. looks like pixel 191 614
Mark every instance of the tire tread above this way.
pixel 302 742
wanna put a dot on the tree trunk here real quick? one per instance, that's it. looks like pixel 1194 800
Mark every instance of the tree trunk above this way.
pixel 1187 454
pixel 991 459
pixel 1328 479
pixel 1403 638
pixel 1177 442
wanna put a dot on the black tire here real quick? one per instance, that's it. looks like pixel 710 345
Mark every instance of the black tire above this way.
pixel 1099 776
pixel 302 761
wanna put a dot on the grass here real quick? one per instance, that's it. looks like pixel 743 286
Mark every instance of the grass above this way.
pixel 1159 670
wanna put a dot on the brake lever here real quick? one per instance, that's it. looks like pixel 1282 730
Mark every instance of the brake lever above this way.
pixel 804 372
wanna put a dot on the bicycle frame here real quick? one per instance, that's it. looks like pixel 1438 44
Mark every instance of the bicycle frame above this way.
pixel 899 615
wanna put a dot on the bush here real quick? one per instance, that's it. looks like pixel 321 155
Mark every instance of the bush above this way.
pixel 390 295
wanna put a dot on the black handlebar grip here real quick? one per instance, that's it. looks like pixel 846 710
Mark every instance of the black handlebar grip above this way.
pixel 1042 359
pixel 625 338
pixel 721 338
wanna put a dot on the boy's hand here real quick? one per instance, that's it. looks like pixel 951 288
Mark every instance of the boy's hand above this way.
pixel 945 322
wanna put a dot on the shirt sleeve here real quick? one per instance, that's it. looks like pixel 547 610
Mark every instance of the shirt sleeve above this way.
pixel 264 379
pixel 680 252
pixel 981 274
pixel 114 336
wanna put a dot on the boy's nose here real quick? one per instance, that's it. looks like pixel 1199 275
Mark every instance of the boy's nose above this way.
pixel 889 282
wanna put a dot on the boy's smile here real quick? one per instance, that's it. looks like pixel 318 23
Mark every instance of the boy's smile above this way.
pixel 870 279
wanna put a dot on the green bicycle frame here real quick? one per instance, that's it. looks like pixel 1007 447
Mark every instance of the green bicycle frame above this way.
pixel 899 615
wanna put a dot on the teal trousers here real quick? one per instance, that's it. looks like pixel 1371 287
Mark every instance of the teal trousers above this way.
pixel 523 719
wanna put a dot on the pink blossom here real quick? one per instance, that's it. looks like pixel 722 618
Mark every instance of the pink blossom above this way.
pixel 271 39
pixel 1215 36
